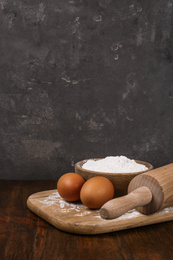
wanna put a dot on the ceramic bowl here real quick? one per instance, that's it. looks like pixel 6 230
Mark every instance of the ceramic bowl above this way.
pixel 119 180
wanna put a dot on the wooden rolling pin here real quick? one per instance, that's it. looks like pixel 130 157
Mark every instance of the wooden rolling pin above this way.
pixel 148 192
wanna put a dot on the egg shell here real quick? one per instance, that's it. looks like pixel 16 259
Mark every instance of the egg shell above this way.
pixel 96 191
pixel 69 186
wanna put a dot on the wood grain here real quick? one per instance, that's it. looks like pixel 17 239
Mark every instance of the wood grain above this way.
pixel 160 182
pixel 77 218
pixel 148 192
pixel 24 235
pixel 116 207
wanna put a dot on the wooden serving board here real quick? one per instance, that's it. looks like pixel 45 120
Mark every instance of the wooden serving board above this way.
pixel 77 218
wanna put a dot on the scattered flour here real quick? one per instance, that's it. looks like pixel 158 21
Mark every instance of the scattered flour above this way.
pixel 59 203
pixel 114 164
pixel 78 210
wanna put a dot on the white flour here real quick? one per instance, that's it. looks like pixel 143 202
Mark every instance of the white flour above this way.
pixel 114 164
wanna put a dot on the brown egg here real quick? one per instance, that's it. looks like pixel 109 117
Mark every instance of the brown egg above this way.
pixel 96 191
pixel 69 186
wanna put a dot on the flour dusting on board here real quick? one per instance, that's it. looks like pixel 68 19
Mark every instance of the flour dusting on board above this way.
pixel 79 210
pixel 114 164
pixel 64 206
pixel 77 218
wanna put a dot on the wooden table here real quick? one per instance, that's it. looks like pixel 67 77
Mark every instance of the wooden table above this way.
pixel 23 235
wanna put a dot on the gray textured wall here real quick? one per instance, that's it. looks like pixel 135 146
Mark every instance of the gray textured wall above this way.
pixel 82 79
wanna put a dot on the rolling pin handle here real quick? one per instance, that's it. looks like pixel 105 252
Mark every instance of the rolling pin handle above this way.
pixel 118 206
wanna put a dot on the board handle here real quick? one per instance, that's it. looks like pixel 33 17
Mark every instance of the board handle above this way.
pixel 116 207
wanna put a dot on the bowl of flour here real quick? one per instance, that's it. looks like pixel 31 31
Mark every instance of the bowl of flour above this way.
pixel 120 170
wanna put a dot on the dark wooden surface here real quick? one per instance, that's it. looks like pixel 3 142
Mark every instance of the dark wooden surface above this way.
pixel 23 235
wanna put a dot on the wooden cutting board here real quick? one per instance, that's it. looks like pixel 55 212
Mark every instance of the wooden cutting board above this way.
pixel 77 218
